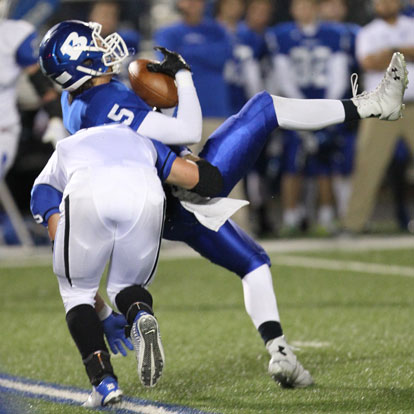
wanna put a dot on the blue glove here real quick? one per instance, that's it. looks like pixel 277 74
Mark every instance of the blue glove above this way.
pixel 113 327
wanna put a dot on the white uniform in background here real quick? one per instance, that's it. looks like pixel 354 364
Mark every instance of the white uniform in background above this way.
pixel 379 35
pixel 12 34
pixel 112 208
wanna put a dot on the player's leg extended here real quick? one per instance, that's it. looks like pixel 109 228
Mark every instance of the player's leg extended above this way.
pixel 236 144
pixel 236 251
pixel 81 250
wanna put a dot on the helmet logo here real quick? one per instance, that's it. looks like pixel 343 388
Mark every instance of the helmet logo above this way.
pixel 74 45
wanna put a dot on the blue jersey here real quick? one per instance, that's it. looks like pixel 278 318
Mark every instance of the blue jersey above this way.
pixel 309 54
pixel 109 103
pixel 249 49
pixel 206 47
pixel 34 11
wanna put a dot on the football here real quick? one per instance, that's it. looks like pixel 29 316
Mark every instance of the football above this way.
pixel 156 89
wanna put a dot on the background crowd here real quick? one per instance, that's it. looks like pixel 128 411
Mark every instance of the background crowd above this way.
pixel 329 182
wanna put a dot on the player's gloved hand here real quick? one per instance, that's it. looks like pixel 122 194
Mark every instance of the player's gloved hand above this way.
pixel 55 131
pixel 172 63
pixel 113 327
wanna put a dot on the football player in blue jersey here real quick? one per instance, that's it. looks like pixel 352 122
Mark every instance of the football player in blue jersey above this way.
pixel 74 55
pixel 336 11
pixel 206 46
pixel 309 63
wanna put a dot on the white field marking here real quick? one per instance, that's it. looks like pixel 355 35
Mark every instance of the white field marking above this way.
pixel 309 344
pixel 342 265
pixel 16 256
pixel 50 393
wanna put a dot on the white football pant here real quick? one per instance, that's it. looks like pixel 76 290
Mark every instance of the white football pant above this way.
pixel 112 213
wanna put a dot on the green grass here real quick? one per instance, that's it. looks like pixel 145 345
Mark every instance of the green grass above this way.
pixel 215 360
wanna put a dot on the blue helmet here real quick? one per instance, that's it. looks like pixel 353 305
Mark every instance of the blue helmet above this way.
pixel 73 52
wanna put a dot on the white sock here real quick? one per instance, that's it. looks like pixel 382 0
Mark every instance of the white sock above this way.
pixel 326 215
pixel 308 114
pixel 259 296
pixel 342 191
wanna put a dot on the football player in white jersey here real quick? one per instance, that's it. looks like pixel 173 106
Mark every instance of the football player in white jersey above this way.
pixel 113 204
pixel 18 53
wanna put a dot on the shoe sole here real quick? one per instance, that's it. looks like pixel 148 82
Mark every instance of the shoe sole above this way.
pixel 151 353
pixel 114 399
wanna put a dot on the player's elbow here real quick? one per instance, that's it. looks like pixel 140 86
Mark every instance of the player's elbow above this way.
pixel 192 134
pixel 210 181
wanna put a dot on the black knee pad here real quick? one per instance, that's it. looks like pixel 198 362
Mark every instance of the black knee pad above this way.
pixel 98 366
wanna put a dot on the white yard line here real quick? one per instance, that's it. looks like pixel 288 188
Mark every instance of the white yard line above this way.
pixel 23 257
pixel 56 393
pixel 342 265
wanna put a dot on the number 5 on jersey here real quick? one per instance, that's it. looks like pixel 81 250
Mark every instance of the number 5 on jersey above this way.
pixel 117 114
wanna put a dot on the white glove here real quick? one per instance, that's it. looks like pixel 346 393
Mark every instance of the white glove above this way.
pixel 55 131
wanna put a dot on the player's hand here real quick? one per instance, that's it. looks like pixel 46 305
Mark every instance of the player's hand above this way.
pixel 55 131
pixel 113 327
pixel 172 63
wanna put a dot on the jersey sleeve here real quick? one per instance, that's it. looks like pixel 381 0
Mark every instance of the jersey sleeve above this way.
pixel 165 159
pixel 44 202
pixel 26 54
pixel 47 190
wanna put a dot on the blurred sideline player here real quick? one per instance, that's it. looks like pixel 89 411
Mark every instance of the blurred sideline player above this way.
pixel 19 54
pixel 206 46
pixel 376 142
pixel 336 11
pixel 233 148
pixel 308 63
pixel 110 180
pixel 251 33
pixel 108 13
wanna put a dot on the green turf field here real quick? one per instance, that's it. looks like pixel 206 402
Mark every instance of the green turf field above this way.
pixel 215 360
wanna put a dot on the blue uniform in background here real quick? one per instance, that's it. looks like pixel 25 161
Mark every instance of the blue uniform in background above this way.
pixel 233 148
pixel 309 54
pixel 206 47
pixel 345 134
pixel 249 47
pixel 36 12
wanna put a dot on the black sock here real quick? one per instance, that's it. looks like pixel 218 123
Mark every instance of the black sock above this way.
pixel 133 299
pixel 270 330
pixel 351 111
pixel 86 330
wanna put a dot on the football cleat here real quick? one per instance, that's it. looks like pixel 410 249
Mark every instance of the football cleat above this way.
pixel 106 393
pixel 284 366
pixel 145 336
pixel 386 101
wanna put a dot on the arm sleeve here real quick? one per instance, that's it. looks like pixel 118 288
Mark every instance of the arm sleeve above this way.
pixel 26 54
pixel 47 191
pixel 186 128
pixel 284 78
pixel 338 75
pixel 165 159
pixel 44 202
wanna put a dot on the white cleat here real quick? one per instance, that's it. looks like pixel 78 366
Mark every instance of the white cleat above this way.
pixel 145 336
pixel 386 101
pixel 284 366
